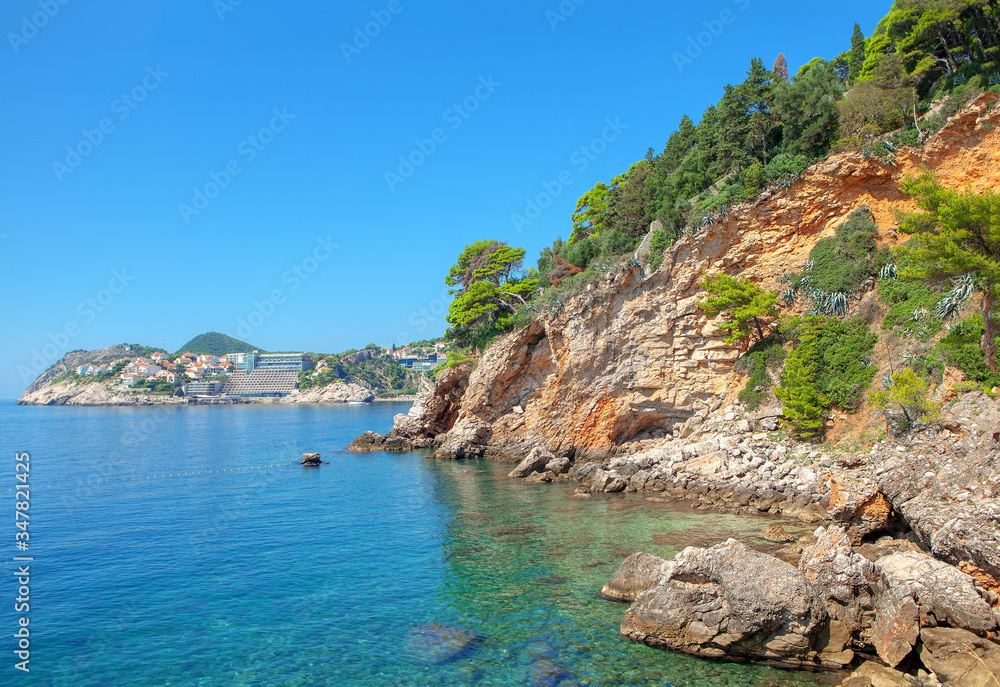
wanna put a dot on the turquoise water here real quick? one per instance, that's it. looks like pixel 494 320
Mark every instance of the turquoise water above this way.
pixel 181 546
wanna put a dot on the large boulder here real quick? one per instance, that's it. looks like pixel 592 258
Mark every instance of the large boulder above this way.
pixel 945 594
pixel 608 481
pixel 850 585
pixel 871 674
pixel 730 601
pixel 959 657
pixel 860 506
pixel 896 627
pixel 535 461
pixel 559 466
pixel 638 573
pixel 467 439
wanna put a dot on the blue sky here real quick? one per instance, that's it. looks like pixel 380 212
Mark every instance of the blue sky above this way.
pixel 274 172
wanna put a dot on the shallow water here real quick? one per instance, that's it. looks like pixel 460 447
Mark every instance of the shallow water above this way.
pixel 183 546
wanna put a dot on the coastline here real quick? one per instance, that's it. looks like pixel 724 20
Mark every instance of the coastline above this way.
pixel 70 393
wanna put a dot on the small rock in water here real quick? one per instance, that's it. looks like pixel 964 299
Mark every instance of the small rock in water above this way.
pixel 545 673
pixel 434 643
pixel 311 459
pixel 777 534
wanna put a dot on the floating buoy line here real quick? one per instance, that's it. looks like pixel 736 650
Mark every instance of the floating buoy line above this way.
pixel 162 475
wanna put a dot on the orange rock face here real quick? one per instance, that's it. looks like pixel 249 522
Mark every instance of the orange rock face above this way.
pixel 634 357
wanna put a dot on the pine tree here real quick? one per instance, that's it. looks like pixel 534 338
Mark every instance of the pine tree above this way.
pixel 803 404
pixel 957 233
pixel 746 307
pixel 856 55
pixel 780 69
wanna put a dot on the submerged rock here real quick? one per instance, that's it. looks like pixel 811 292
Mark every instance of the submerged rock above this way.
pixel 730 601
pixel 544 672
pixel 777 534
pixel 435 643
pixel 638 573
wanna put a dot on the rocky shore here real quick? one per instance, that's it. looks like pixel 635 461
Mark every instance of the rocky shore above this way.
pixel 903 570
pixel 73 393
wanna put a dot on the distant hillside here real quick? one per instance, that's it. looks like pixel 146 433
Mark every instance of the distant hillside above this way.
pixel 214 343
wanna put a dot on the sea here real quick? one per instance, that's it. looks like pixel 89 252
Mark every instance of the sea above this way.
pixel 187 546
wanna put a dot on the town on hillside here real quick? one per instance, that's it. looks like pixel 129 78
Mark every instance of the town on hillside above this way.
pixel 240 375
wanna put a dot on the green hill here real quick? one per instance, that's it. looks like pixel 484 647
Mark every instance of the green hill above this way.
pixel 214 343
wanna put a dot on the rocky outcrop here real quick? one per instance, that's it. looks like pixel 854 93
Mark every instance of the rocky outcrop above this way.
pixel 333 393
pixel 69 362
pixel 730 601
pixel 633 358
pixel 849 584
pixel 78 393
pixel 639 572
pixel 858 502
pixel 960 658
pixel 945 594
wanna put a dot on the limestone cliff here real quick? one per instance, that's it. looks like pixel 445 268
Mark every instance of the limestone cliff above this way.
pixel 634 358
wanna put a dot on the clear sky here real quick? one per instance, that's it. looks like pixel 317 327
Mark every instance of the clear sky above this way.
pixel 302 174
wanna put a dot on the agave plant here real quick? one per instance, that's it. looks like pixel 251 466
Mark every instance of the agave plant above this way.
pixel 808 266
pixel 838 303
pixel 805 281
pixel 723 211
pixel 919 314
pixel 888 272
pixel 633 262
pixel 888 382
pixel 786 278
pixel 951 304
pixel 790 295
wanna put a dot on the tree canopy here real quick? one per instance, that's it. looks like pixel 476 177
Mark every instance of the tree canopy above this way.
pixel 489 284
pixel 746 307
pixel 957 233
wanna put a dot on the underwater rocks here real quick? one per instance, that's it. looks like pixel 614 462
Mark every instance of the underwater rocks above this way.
pixel 434 643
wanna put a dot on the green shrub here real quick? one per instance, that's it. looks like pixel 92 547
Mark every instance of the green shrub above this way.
pixel 907 392
pixel 756 362
pixel 658 245
pixel 615 243
pixel 961 348
pixel 828 367
pixel 846 373
pixel 843 262
pixel 456 358
pixel 912 305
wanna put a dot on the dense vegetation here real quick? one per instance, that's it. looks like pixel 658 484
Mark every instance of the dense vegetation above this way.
pixel 925 60
pixel 214 343
pixel 828 367
pixel 369 367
